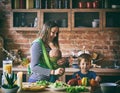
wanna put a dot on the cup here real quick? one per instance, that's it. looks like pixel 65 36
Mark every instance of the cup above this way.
pixel 7 66
pixel 94 24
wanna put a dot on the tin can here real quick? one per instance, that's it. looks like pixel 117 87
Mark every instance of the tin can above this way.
pixel 89 5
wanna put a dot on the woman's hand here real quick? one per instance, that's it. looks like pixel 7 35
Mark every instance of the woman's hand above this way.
pixel 61 61
pixel 59 71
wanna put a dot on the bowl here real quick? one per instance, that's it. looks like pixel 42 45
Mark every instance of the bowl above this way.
pixel 108 87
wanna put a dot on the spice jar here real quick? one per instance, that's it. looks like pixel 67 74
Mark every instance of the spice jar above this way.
pixel 96 4
pixel 89 5
pixel 82 4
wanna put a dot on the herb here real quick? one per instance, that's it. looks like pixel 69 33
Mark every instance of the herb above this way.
pixel 76 89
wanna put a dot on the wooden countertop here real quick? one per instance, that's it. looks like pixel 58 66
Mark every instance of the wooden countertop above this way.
pixel 44 91
pixel 99 71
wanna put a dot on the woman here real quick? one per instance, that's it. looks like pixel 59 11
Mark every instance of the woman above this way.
pixel 48 34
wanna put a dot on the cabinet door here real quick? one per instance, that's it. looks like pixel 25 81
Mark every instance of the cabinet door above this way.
pixel 61 17
pixel 112 19
pixel 86 19
pixel 25 20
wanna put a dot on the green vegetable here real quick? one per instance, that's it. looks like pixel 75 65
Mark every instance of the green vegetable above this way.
pixel 76 89
pixel 42 82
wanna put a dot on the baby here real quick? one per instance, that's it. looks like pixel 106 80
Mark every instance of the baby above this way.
pixel 54 54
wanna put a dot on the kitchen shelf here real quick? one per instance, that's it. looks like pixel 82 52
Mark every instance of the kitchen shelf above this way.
pixel 69 18
pixel 83 18
pixel 25 20
pixel 60 16
pixel 111 18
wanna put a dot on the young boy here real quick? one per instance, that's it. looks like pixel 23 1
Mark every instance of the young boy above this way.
pixel 85 65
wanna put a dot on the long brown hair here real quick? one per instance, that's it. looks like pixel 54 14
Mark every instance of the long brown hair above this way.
pixel 44 33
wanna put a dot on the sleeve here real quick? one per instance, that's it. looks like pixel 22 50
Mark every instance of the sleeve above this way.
pixel 36 53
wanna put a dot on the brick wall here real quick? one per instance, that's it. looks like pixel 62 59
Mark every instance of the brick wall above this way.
pixel 102 42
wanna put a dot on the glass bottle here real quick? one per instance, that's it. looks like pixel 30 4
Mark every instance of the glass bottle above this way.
pixel 52 4
pixel 22 19
pixel 60 4
pixel 106 4
pixel 66 4
pixel 46 4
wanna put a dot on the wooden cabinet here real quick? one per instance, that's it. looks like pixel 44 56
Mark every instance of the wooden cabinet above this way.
pixel 71 15
pixel 60 16
pixel 25 20
pixel 111 19
pixel 83 18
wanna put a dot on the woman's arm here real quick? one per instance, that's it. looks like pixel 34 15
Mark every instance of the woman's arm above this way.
pixel 36 52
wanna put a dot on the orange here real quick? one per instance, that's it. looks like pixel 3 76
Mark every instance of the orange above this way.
pixel 93 82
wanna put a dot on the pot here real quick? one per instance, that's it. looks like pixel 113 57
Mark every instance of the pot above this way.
pixel 12 90
pixel 109 87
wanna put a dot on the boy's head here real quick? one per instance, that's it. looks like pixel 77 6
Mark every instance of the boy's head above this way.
pixel 85 61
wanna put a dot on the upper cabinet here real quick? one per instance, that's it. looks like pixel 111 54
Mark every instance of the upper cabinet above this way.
pixel 70 15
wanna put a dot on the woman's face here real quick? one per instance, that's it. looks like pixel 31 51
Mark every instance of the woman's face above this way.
pixel 53 34
pixel 85 66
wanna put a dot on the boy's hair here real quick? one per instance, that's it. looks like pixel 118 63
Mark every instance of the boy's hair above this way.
pixel 86 57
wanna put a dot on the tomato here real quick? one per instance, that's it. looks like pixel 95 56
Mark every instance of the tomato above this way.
pixel 79 82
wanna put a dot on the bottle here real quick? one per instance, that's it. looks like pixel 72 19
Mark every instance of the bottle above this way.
pixel 35 22
pixel 66 4
pixel 37 4
pixel 46 4
pixel 106 4
pixel 52 4
pixel 60 4
pixel 22 19
pixel 2 80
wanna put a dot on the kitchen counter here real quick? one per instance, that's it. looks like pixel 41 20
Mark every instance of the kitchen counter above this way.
pixel 99 71
pixel 70 71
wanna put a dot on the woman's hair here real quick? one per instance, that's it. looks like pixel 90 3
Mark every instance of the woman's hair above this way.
pixel 44 33
pixel 86 57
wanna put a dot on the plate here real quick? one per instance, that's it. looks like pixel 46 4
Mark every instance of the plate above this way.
pixel 32 87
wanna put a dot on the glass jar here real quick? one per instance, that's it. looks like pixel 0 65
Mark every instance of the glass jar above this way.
pixel 7 66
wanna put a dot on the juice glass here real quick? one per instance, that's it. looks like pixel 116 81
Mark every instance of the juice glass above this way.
pixel 7 66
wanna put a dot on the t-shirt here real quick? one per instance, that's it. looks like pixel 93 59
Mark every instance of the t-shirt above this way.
pixel 90 75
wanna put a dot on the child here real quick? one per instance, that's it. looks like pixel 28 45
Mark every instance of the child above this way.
pixel 85 65
pixel 54 55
